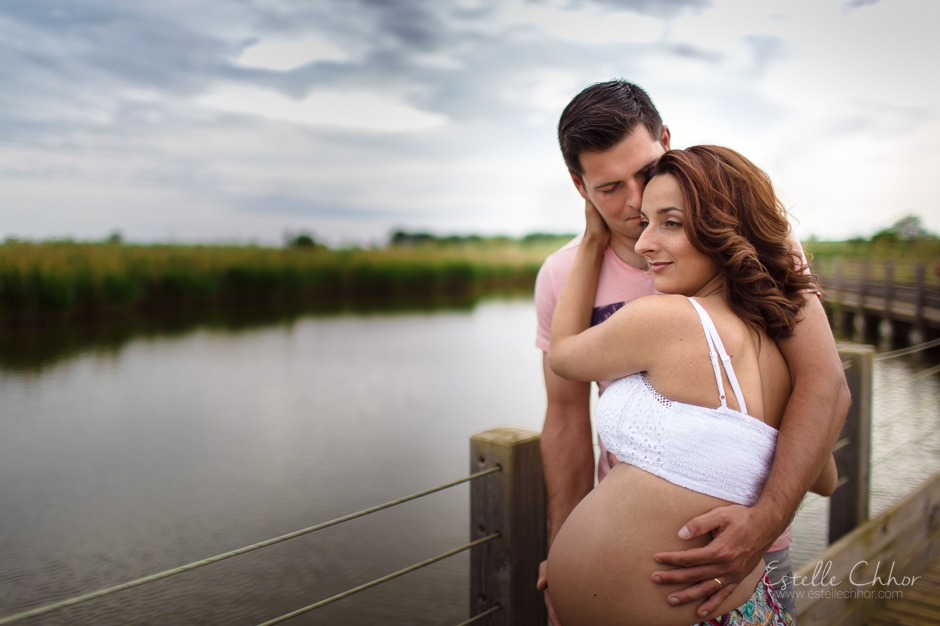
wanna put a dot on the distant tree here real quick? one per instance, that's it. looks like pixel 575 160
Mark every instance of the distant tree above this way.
pixel 303 241
pixel 402 238
pixel 910 228
pixel 545 237
pixel 887 236
pixel 115 238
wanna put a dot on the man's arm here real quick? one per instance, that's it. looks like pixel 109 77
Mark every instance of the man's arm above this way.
pixel 567 455
pixel 808 432
pixel 567 449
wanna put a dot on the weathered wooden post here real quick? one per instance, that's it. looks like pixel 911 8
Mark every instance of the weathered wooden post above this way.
pixel 861 326
pixel 886 317
pixel 511 502
pixel 848 506
pixel 837 280
pixel 917 333
pixel 837 295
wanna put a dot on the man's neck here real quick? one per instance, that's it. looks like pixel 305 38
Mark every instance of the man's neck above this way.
pixel 625 249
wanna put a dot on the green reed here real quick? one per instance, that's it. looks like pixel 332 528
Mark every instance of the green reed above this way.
pixel 924 250
pixel 61 278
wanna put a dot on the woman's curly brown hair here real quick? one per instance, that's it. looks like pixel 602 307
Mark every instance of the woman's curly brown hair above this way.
pixel 735 219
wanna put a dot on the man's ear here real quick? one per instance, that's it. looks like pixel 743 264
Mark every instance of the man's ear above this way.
pixel 578 184
pixel 666 138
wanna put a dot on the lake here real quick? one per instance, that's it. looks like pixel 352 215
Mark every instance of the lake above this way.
pixel 126 449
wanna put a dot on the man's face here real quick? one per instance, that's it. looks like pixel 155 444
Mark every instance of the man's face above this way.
pixel 613 180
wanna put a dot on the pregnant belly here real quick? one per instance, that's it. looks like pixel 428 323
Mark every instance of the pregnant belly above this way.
pixel 600 563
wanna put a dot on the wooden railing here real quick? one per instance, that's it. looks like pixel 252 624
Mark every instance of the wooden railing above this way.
pixel 882 296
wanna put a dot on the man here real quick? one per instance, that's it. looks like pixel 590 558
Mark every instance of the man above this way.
pixel 610 137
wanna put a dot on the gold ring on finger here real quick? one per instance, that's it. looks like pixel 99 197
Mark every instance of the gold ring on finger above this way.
pixel 719 583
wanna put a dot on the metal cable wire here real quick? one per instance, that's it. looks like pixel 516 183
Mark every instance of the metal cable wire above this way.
pixel 479 616
pixel 9 619
pixel 908 350
pixel 378 581
pixel 913 379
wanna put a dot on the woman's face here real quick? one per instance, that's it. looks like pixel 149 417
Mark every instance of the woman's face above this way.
pixel 678 268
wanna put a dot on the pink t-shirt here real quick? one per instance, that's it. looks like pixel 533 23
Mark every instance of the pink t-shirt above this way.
pixel 617 284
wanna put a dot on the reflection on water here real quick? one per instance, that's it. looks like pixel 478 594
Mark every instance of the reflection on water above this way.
pixel 33 348
pixel 132 447
pixel 169 448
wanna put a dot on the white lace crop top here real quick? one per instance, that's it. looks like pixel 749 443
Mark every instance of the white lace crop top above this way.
pixel 719 452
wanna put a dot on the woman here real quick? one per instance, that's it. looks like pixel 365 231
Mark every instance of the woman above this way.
pixel 717 238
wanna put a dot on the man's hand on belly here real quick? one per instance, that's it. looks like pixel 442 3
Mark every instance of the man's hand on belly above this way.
pixel 738 544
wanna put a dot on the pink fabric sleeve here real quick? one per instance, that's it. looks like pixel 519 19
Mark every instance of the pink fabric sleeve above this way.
pixel 546 297
pixel 783 540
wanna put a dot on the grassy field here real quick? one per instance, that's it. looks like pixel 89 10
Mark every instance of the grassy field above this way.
pixel 904 255
pixel 68 279
pixel 926 250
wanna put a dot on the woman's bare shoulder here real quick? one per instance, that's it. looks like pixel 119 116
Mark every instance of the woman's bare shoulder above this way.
pixel 659 308
pixel 658 318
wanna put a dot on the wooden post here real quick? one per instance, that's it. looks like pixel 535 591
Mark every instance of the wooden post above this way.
pixel 919 287
pixel 889 288
pixel 511 502
pixel 860 324
pixel 885 327
pixel 848 506
pixel 837 280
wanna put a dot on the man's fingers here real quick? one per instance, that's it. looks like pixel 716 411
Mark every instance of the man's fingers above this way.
pixel 693 593
pixel 703 524
pixel 715 600
pixel 690 575
pixel 705 589
pixel 689 558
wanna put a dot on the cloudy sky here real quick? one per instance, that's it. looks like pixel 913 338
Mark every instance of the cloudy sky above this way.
pixel 225 120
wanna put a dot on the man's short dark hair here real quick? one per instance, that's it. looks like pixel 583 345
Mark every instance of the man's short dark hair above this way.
pixel 603 115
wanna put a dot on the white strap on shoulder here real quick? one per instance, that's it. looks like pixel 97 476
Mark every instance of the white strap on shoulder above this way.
pixel 715 345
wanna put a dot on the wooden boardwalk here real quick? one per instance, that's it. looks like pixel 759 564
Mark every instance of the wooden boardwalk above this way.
pixel 919 606
pixel 902 293
pixel 905 537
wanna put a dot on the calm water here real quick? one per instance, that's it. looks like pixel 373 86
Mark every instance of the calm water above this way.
pixel 136 451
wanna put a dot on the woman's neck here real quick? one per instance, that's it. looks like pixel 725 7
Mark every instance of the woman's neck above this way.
pixel 714 286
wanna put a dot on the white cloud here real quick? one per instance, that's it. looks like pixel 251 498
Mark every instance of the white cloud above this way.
pixel 581 26
pixel 288 55
pixel 838 106
pixel 544 93
pixel 360 110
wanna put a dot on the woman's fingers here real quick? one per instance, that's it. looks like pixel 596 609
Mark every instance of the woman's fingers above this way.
pixel 542 585
pixel 596 226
